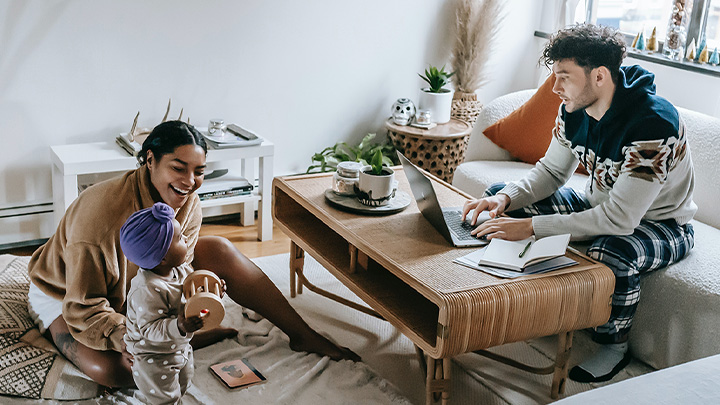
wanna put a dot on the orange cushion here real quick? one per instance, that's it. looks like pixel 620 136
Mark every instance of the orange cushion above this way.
pixel 527 131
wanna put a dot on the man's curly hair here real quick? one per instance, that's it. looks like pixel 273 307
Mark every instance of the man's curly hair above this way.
pixel 590 46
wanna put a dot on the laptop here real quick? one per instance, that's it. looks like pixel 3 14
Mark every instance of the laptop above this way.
pixel 448 221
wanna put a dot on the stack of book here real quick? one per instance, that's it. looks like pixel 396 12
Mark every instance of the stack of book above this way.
pixel 222 184
pixel 131 146
pixel 235 138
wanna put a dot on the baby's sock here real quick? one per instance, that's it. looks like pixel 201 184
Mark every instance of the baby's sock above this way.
pixel 605 363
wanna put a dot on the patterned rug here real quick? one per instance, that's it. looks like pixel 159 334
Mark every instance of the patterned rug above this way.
pixel 29 366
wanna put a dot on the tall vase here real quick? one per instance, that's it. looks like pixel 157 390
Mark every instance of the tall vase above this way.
pixel 439 104
pixel 466 107
pixel 674 47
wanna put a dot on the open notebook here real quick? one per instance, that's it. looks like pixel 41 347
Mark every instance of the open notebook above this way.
pixel 518 255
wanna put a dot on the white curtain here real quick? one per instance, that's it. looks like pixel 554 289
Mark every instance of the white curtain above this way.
pixel 565 13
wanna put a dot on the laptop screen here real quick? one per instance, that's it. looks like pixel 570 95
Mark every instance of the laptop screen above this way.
pixel 425 196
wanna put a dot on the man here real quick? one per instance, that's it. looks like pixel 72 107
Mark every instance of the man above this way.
pixel 638 200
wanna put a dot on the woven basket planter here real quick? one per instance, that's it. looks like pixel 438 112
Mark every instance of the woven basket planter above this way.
pixel 466 107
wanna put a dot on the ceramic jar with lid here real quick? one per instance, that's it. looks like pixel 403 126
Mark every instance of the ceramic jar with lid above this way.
pixel 346 177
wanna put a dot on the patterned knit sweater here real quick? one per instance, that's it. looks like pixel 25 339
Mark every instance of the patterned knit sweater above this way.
pixel 638 158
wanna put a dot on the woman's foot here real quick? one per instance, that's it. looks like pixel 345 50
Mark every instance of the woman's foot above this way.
pixel 319 344
pixel 206 338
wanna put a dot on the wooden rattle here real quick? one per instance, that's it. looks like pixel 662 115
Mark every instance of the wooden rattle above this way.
pixel 202 291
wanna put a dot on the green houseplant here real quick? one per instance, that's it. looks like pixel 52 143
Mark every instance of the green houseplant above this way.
pixel 437 79
pixel 376 183
pixel 328 159
pixel 436 98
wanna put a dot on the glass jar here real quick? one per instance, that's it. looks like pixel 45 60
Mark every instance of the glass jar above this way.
pixel 346 177
pixel 215 127
pixel 674 46
pixel 424 117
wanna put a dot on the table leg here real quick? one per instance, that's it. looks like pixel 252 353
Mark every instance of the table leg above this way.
pixel 65 191
pixel 561 364
pixel 248 209
pixel 297 261
pixel 265 229
pixel 437 381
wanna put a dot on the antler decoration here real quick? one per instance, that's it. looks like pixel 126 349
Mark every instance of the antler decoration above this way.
pixel 131 134
pixel 135 131
pixel 167 111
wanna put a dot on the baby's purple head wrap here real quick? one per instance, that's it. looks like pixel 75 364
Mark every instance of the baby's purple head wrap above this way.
pixel 146 236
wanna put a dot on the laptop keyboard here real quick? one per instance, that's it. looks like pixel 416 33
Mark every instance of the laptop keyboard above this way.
pixel 460 228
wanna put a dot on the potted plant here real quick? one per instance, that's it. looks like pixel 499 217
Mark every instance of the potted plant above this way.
pixel 328 159
pixel 376 185
pixel 476 25
pixel 436 98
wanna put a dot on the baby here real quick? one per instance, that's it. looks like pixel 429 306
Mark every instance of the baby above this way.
pixel 158 333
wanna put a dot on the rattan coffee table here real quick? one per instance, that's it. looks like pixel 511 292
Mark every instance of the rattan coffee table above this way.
pixel 402 268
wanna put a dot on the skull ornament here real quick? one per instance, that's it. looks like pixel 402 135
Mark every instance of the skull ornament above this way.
pixel 403 111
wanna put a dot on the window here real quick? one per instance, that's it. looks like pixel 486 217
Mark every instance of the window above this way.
pixel 712 27
pixel 634 16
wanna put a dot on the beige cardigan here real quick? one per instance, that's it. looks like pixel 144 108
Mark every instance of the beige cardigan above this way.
pixel 82 263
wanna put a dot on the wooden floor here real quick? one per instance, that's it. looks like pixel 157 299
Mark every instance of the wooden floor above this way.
pixel 243 237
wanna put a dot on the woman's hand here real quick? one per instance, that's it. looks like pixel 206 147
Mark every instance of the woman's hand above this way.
pixel 505 228
pixel 495 205
pixel 192 324
pixel 223 288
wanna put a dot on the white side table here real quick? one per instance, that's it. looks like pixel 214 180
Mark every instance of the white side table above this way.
pixel 70 161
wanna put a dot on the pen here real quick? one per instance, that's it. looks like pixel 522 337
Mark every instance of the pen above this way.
pixel 525 250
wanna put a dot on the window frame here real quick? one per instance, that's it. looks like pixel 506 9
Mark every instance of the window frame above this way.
pixel 696 26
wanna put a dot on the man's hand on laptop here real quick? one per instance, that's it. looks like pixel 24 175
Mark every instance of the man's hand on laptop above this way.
pixel 495 205
pixel 505 228
pixel 498 226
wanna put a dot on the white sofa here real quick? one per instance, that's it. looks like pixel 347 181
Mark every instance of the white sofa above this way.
pixel 678 318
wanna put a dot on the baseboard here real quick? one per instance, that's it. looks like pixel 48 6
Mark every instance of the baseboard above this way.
pixel 33 223
pixel 25 225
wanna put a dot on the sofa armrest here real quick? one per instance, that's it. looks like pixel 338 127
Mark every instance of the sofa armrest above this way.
pixel 481 148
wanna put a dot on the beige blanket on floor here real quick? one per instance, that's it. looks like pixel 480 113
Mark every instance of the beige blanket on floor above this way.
pixel 293 378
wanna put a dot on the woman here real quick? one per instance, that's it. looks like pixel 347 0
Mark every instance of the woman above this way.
pixel 80 277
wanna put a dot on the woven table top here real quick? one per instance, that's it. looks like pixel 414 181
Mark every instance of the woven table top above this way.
pixel 407 242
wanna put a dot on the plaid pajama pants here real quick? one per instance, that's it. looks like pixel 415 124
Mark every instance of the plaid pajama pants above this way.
pixel 653 245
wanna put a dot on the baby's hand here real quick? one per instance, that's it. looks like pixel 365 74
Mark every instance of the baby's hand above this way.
pixel 192 324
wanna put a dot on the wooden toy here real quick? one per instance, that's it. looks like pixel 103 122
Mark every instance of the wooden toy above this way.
pixel 202 289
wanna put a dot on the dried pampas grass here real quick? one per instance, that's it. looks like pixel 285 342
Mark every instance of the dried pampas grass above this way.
pixel 476 25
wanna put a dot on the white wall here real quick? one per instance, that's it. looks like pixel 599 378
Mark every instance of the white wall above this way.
pixel 304 74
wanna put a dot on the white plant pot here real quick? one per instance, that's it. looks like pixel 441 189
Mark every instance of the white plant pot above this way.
pixel 439 104
pixel 376 190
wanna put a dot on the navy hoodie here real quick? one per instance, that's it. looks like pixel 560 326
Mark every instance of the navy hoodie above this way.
pixel 637 156
pixel 636 114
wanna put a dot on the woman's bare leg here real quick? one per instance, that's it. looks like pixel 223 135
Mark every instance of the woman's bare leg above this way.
pixel 250 287
pixel 108 368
